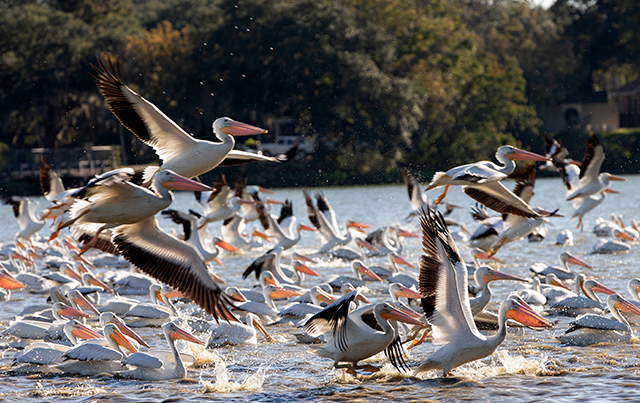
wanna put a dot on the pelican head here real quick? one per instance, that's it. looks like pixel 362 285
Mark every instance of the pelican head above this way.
pixel 231 127
pixel 513 153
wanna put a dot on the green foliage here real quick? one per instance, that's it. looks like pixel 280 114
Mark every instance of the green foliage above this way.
pixel 377 84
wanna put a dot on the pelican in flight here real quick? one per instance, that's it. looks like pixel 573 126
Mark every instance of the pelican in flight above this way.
pixel 273 229
pixel 481 182
pixel 111 200
pixel 323 217
pixel 23 210
pixel 445 300
pixel 591 181
pixel 177 149
pixel 357 335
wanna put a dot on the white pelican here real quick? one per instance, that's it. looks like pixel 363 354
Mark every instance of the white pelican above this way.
pixel 324 219
pixel 483 276
pixel 112 200
pixel 384 272
pixel 94 358
pixel 23 210
pixel 177 149
pixel 358 335
pixel 150 314
pixel 297 311
pixel 273 229
pixel 514 226
pixel 232 233
pixel 605 246
pixel 52 353
pixel 488 231
pixel 215 203
pixel 417 199
pixel 270 261
pixel 598 329
pixel 574 305
pixel 193 236
pixel 267 310
pixel 555 151
pixel 443 285
pixel 481 181
pixel 563 272
pixel 234 333
pixel 564 238
pixel 359 270
pixel 591 180
pixel 152 367
pixel 50 181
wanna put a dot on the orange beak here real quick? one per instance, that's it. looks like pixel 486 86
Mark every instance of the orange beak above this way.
pixel 399 260
pixel 226 246
pixel 303 227
pixel 258 325
pixel 627 306
pixel 527 156
pixel 261 235
pixel 83 332
pixel 178 333
pixel 302 268
pixel 281 292
pixel 236 128
pixel 72 312
pixel 525 315
pixel 179 182
pixel 365 271
pixel 580 262
pixel 405 292
pixel 83 302
pixel 498 275
pixel 126 330
pixel 99 283
pixel 9 283
pixel 323 296
pixel 392 313
pixel 122 341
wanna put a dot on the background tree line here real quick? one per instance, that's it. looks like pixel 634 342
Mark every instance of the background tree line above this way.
pixel 377 84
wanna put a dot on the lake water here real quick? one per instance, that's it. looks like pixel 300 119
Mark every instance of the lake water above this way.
pixel 527 367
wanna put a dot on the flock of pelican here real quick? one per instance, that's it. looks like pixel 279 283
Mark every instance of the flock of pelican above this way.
pixel 113 222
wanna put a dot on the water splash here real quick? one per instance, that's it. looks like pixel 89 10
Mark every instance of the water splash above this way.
pixel 223 384
pixel 79 390
pixel 203 357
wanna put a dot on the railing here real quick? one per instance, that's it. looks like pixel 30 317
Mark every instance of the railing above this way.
pixel 75 162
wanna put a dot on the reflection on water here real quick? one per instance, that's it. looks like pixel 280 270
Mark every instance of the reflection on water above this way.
pixel 529 366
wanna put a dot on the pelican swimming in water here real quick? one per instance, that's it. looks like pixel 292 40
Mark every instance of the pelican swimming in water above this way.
pixel 152 367
pixel 592 329
pixel 443 285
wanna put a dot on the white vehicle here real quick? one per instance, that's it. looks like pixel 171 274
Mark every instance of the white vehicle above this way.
pixel 284 144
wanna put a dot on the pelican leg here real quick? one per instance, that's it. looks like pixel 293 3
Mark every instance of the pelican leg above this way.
pixel 349 367
pixel 368 368
pixel 92 242
pixel 415 343
pixel 439 199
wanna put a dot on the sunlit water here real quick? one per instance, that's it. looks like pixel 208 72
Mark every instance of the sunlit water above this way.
pixel 530 366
